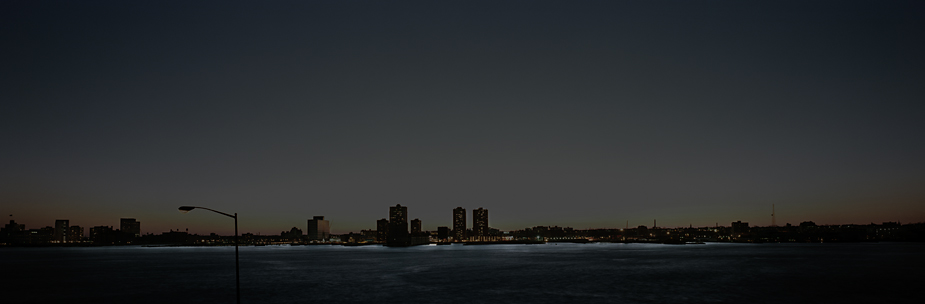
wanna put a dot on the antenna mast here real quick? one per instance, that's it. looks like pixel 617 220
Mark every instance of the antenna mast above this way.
pixel 773 220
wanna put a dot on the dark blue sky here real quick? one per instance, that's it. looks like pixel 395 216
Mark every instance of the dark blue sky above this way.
pixel 546 113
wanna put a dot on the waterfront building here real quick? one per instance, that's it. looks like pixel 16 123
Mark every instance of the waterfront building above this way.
pixel 398 226
pixel 382 230
pixel 102 235
pixel 41 235
pixel 130 227
pixel 739 228
pixel 415 227
pixel 642 232
pixel 319 229
pixel 294 234
pixel 480 223
pixel 14 233
pixel 370 235
pixel 459 224
pixel 75 234
pixel 13 227
pixel 61 230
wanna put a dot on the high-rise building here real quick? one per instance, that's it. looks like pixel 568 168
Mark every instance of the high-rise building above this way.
pixel 415 227
pixel 382 230
pixel 319 229
pixel 61 230
pixel 130 227
pixel 398 226
pixel 75 234
pixel 459 224
pixel 480 223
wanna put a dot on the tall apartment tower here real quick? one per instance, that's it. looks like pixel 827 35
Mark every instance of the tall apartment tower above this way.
pixel 130 226
pixel 382 230
pixel 62 228
pixel 415 227
pixel 319 229
pixel 398 226
pixel 480 222
pixel 459 224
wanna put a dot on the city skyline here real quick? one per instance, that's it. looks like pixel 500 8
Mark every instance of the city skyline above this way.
pixel 570 114
pixel 318 228
pixel 431 223
pixel 394 232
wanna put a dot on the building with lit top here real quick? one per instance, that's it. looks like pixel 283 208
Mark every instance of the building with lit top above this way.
pixel 398 226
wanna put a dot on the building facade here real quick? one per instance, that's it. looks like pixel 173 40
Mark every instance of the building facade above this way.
pixel 102 235
pixel 480 223
pixel 398 226
pixel 739 228
pixel 75 234
pixel 62 228
pixel 319 229
pixel 382 230
pixel 130 227
pixel 459 224
pixel 294 234
pixel 416 227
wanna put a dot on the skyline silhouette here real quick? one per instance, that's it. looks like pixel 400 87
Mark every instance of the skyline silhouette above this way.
pixel 452 224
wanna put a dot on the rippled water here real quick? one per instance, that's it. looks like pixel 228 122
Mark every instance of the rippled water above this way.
pixel 561 273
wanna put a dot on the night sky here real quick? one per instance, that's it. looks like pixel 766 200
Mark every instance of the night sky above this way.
pixel 583 114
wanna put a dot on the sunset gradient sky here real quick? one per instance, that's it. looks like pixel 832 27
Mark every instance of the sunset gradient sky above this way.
pixel 584 114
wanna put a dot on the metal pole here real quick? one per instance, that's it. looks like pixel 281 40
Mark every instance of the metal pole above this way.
pixel 237 269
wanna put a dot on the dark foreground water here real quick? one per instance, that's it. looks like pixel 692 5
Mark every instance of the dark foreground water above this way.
pixel 552 273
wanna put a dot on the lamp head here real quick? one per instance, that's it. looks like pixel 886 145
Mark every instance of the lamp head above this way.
pixel 185 209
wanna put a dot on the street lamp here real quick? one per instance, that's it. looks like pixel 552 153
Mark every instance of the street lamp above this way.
pixel 237 271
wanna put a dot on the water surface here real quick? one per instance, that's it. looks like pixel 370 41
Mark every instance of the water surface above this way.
pixel 551 273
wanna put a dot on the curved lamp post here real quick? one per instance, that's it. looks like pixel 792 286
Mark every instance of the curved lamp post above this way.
pixel 237 271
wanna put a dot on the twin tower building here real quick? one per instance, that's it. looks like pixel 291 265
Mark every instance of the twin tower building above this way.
pixel 479 225
pixel 394 231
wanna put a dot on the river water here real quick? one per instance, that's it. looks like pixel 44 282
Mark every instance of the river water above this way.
pixel 550 273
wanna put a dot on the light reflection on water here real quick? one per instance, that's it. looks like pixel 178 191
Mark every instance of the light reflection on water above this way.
pixel 590 273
